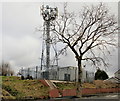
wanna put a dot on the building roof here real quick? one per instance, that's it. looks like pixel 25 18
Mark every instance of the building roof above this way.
pixel 117 80
pixel 117 71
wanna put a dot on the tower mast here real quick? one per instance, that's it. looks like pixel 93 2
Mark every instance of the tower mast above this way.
pixel 47 44
pixel 49 14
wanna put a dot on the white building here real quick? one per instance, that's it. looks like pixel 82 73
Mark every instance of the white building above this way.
pixel 87 76
pixel 67 73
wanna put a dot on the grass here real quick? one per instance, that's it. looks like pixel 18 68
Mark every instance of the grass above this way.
pixel 95 84
pixel 15 88
pixel 6 95
pixel 62 86
pixel 22 89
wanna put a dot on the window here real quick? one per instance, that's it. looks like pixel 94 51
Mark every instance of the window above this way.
pixel 67 77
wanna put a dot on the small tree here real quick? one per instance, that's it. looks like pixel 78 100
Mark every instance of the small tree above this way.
pixel 92 30
pixel 101 75
pixel 5 69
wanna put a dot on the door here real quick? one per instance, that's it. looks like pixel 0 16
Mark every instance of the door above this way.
pixel 67 77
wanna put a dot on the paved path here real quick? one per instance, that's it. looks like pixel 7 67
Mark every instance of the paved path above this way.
pixel 104 96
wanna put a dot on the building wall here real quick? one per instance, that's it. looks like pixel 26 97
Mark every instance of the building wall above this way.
pixel 70 71
pixel 53 75
pixel 83 75
pixel 87 76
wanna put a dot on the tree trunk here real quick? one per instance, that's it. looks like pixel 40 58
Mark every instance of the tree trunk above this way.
pixel 79 83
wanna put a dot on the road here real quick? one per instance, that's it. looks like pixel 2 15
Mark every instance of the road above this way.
pixel 101 97
pixel 104 96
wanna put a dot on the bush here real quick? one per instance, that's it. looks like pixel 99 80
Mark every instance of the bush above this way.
pixel 29 77
pixel 22 78
pixel 101 75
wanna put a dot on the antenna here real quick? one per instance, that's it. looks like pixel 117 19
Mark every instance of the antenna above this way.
pixel 49 14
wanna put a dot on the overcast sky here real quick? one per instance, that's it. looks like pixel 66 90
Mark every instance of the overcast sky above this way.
pixel 21 44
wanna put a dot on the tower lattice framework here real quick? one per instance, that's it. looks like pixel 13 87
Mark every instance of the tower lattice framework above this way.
pixel 49 14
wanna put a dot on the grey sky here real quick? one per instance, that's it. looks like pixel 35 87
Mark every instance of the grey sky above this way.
pixel 21 45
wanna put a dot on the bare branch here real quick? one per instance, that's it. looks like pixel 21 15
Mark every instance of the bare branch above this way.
pixel 85 34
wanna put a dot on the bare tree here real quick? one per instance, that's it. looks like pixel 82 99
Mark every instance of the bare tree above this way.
pixel 94 29
pixel 6 70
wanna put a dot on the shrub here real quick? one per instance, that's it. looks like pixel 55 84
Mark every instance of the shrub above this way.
pixel 101 75
pixel 22 78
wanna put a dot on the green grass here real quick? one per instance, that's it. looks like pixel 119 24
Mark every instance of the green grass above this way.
pixel 66 85
pixel 21 89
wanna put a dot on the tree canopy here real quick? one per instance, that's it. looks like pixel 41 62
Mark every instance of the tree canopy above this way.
pixel 101 75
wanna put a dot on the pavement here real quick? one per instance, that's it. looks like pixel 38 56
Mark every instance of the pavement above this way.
pixel 100 97
pixel 104 96
pixel 107 97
